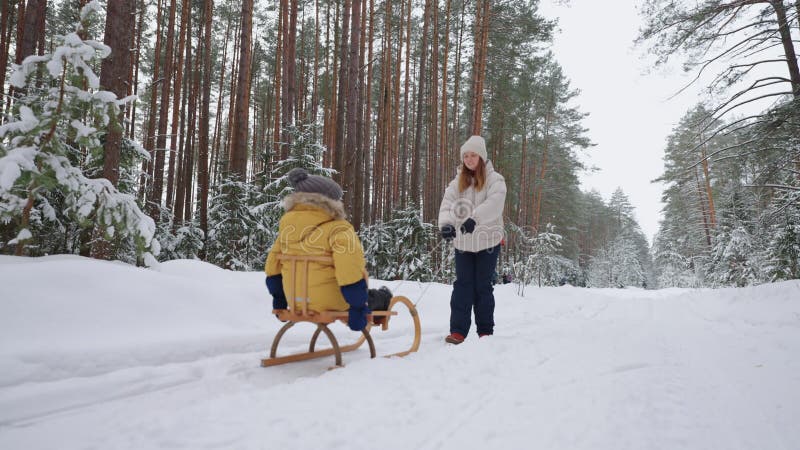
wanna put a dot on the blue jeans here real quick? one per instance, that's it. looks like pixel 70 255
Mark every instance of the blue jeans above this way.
pixel 473 289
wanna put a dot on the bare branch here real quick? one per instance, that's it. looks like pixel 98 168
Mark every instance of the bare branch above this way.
pixel 774 186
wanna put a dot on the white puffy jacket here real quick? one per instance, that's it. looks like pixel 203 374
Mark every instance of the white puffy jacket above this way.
pixel 485 207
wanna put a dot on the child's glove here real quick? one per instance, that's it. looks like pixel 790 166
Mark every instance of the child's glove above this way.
pixel 357 318
pixel 356 296
pixel 275 287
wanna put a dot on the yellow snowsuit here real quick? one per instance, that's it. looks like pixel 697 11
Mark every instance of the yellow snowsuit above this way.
pixel 315 225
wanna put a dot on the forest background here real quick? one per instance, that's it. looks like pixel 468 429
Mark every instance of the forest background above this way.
pixel 162 129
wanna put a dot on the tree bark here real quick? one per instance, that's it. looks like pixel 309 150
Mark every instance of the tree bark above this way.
pixel 367 181
pixel 479 64
pixel 161 138
pixel 353 90
pixel 788 46
pixel 416 149
pixel 174 145
pixel 150 138
pixel 700 194
pixel 454 162
pixel 205 103
pixel 5 42
pixel 289 80
pixel 394 164
pixel 34 12
pixel 403 150
pixel 114 77
pixel 359 170
pixel 135 60
pixel 444 154
pixel 189 114
pixel 312 114
pixel 433 157
pixel 339 147
pixel 277 89
pixel 712 214
pixel 238 153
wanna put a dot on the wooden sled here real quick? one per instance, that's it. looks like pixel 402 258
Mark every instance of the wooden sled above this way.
pixel 297 298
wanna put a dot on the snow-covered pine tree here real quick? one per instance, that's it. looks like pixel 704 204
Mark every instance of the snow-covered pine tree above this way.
pixel 627 267
pixel 264 206
pixel 624 260
pixel 672 268
pixel 733 261
pixel 304 151
pixel 231 226
pixel 400 248
pixel 184 242
pixel 782 255
pixel 53 143
pixel 517 259
pixel 537 257
pixel 544 260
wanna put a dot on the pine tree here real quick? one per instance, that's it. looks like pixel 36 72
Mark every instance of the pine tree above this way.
pixel 44 146
pixel 782 253
pixel 672 268
pixel 400 248
pixel 231 226
pixel 732 261
pixel 305 151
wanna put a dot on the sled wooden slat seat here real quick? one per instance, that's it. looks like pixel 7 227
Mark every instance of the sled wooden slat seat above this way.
pixel 297 297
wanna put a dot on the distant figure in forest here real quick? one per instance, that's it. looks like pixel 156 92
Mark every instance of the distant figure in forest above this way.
pixel 471 214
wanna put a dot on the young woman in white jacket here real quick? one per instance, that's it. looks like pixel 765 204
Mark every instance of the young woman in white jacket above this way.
pixel 471 214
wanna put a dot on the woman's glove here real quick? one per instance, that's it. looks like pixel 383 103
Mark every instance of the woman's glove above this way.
pixel 468 226
pixel 448 232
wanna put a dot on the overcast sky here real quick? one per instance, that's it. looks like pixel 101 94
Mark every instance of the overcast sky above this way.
pixel 631 113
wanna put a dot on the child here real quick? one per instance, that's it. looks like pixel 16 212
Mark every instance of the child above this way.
pixel 314 224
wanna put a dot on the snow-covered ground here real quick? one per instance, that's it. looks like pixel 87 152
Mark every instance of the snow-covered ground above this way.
pixel 101 355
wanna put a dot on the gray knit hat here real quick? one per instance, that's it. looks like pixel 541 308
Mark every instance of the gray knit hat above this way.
pixel 301 181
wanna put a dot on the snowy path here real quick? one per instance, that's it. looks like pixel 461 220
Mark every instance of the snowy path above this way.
pixel 568 368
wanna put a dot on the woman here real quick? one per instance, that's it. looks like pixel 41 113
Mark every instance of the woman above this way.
pixel 472 215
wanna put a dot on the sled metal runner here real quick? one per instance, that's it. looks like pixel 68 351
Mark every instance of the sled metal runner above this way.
pixel 298 311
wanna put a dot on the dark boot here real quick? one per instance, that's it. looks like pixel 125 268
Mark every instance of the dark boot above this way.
pixel 378 299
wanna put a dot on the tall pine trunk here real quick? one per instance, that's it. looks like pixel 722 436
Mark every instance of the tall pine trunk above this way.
pixel 416 166
pixel 145 184
pixel 174 144
pixel 205 107
pixel 479 64
pixel 238 152
pixel 161 137
pixel 114 77
pixel 366 211
pixel 339 150
pixel 5 44
pixel 788 46
pixel 353 88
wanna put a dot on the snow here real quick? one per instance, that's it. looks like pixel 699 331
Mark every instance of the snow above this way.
pixel 12 164
pixel 97 354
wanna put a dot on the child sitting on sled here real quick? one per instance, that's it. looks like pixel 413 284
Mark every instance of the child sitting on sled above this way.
pixel 314 224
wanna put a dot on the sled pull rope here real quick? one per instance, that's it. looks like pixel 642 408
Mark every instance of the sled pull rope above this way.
pixel 440 246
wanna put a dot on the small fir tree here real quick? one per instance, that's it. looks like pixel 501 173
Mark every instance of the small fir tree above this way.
pixel 401 247
pixel 43 143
